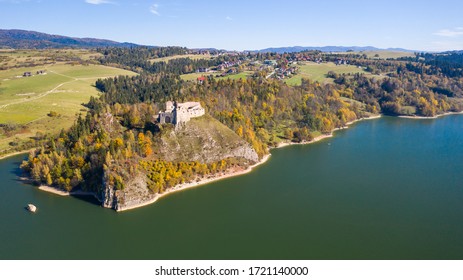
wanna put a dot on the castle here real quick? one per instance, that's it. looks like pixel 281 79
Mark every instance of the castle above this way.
pixel 180 113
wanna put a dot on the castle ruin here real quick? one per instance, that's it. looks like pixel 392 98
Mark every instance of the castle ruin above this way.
pixel 180 113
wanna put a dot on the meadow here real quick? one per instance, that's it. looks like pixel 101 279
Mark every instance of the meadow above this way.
pixel 318 72
pixel 237 76
pixel 191 56
pixel 385 54
pixel 27 58
pixel 49 102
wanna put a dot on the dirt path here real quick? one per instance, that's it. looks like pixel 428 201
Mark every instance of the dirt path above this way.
pixel 52 90
pixel 35 97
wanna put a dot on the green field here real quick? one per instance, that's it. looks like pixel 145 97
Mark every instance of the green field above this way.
pixel 242 75
pixel 191 56
pixel 386 54
pixel 381 54
pixel 318 72
pixel 26 101
pixel 25 58
pixel 194 76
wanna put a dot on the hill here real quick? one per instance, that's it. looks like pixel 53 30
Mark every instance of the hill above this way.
pixel 329 49
pixel 206 140
pixel 203 140
pixel 48 100
pixel 23 39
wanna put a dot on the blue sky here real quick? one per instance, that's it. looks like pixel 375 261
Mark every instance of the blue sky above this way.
pixel 249 24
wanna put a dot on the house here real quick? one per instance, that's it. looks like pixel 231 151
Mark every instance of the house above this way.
pixel 201 80
pixel 270 62
pixel 27 74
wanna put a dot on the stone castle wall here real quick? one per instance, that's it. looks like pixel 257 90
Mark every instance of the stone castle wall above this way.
pixel 179 113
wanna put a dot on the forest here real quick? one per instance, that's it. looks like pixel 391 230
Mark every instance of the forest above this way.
pixel 118 138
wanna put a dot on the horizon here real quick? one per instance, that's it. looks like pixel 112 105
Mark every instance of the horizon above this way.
pixel 245 50
pixel 245 26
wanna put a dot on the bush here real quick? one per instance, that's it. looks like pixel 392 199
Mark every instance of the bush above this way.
pixel 53 114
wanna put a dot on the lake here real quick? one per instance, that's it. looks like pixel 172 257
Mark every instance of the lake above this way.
pixel 388 188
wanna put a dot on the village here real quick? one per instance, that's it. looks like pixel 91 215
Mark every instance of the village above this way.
pixel 278 66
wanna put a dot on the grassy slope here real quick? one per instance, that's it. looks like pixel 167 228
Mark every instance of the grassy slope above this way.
pixel 242 75
pixel 386 54
pixel 28 100
pixel 191 56
pixel 19 58
pixel 317 72
pixel 194 76
pixel 382 54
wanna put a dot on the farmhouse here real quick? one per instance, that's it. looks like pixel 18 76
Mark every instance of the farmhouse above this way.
pixel 27 74
pixel 201 80
pixel 180 113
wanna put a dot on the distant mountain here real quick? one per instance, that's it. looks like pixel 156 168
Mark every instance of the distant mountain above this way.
pixel 23 39
pixel 330 49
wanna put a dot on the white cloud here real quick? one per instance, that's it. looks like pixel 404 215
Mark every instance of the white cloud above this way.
pixel 154 9
pixel 228 18
pixel 98 2
pixel 455 32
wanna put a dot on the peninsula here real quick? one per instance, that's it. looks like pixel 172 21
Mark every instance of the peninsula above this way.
pixel 190 117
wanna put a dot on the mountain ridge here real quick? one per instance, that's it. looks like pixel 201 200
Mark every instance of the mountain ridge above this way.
pixel 25 39
pixel 330 49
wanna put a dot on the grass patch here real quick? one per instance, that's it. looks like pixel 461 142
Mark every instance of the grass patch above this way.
pixel 381 54
pixel 191 56
pixel 26 58
pixel 194 76
pixel 26 101
pixel 317 72
pixel 242 75
pixel 408 110
pixel 386 54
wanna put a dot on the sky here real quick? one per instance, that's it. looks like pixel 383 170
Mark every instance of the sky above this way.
pixel 247 24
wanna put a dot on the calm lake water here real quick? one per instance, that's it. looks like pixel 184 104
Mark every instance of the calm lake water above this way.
pixel 384 189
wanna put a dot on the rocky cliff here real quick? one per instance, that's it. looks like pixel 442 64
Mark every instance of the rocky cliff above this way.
pixel 135 193
pixel 205 140
pixel 202 139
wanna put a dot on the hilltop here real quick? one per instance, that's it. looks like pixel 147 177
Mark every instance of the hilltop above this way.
pixel 203 140
pixel 24 39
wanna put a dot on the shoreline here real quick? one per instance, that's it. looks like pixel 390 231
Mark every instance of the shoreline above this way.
pixel 430 118
pixel 225 175
pixel 53 190
pixel 63 192
pixel 324 136
pixel 211 179
pixel 194 184
pixel 15 154
pixel 202 182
